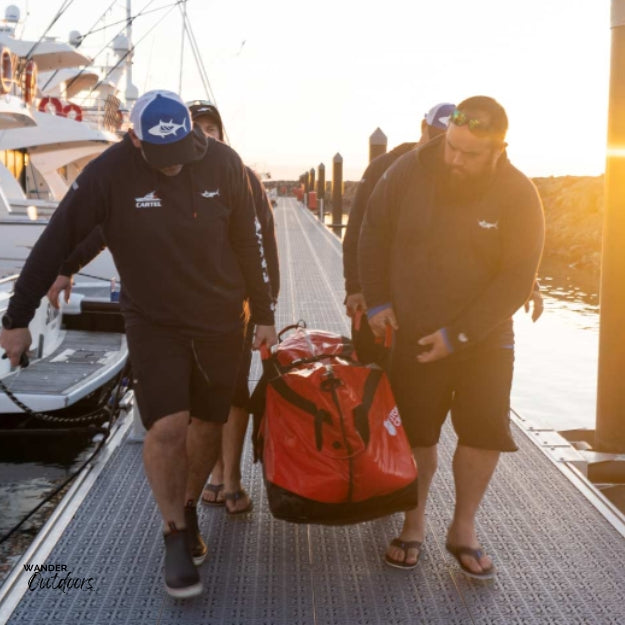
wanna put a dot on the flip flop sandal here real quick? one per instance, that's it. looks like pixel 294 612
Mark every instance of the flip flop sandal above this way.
pixel 404 545
pixel 477 554
pixel 235 497
pixel 214 488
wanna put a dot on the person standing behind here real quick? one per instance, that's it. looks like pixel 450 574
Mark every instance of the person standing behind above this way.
pixel 448 251
pixel 177 213
pixel 433 124
pixel 224 487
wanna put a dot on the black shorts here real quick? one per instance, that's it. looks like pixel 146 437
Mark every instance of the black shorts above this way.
pixel 241 395
pixel 475 388
pixel 174 373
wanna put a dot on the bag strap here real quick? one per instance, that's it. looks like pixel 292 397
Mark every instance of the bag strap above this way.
pixel 361 413
pixel 294 326
pixel 320 416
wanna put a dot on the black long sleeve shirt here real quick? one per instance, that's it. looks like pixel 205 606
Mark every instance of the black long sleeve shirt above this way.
pixel 264 214
pixel 369 179
pixel 465 266
pixel 90 247
pixel 185 246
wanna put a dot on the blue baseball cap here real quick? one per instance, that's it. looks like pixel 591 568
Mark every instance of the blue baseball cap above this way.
pixel 439 115
pixel 162 122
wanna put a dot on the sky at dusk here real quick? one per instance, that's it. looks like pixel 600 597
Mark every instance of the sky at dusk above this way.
pixel 298 82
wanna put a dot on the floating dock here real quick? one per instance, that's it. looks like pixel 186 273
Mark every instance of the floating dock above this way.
pixel 558 545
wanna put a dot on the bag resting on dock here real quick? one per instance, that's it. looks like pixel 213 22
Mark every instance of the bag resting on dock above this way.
pixel 329 434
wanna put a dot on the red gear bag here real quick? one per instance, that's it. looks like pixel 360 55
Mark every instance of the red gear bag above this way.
pixel 329 434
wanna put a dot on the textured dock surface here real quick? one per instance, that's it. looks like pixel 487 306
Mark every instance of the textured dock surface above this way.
pixel 559 561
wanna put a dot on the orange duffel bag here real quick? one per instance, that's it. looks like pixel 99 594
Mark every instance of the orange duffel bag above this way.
pixel 329 434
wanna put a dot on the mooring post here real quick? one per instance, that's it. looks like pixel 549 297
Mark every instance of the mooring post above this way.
pixel 337 193
pixel 321 188
pixel 377 144
pixel 610 427
pixel 306 176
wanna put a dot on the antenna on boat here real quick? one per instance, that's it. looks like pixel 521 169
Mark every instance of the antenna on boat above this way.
pixel 132 93
pixel 183 8
pixel 11 19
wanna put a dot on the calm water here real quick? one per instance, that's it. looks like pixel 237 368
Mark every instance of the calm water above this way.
pixel 556 357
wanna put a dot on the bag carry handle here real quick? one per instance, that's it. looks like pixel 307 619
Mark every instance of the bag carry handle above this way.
pixel 361 413
pixel 388 331
pixel 294 326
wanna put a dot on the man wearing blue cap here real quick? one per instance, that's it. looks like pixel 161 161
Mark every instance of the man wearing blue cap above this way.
pixel 177 213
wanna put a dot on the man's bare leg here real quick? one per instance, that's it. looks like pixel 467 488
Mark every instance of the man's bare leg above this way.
pixel 414 520
pixel 203 447
pixel 232 449
pixel 165 462
pixel 166 467
pixel 473 469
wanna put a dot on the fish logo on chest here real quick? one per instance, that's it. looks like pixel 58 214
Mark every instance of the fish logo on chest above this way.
pixel 482 223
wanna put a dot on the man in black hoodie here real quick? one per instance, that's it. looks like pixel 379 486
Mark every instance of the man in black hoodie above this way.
pixel 433 124
pixel 177 213
pixel 224 487
pixel 448 251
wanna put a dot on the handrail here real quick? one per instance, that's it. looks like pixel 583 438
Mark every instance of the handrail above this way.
pixel 12 278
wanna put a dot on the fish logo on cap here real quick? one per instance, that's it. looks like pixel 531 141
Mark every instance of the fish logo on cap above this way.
pixel 165 129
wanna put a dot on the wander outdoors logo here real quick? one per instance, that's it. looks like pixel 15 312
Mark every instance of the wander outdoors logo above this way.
pixel 57 577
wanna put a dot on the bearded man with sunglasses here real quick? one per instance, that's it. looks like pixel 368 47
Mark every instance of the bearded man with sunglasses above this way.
pixel 448 251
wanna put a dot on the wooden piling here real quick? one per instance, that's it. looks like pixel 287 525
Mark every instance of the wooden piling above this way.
pixel 321 189
pixel 321 181
pixel 337 193
pixel 377 144
pixel 610 427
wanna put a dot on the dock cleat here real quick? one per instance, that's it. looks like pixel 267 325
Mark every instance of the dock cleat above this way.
pixel 196 543
pixel 181 577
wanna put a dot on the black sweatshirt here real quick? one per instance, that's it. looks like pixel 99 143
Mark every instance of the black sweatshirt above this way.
pixel 462 265
pixel 185 246
pixel 264 214
pixel 90 247
pixel 365 188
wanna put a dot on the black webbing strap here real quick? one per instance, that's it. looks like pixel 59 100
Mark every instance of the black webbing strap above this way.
pixel 320 416
pixel 361 413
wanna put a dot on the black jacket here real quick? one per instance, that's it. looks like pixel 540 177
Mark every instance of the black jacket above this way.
pixel 463 265
pixel 90 247
pixel 365 188
pixel 185 246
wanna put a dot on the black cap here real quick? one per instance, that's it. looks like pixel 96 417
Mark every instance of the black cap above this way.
pixel 203 108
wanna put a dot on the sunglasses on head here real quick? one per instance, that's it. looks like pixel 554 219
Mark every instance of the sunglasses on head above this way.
pixel 459 118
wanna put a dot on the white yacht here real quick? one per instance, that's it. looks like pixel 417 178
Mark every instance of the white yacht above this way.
pixel 45 140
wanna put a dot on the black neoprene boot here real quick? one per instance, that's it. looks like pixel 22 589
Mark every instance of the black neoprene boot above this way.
pixel 181 577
